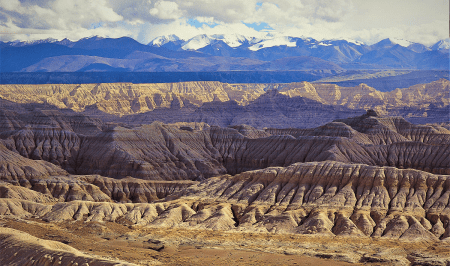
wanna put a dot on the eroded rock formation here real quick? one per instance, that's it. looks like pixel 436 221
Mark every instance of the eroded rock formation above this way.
pixel 195 151
pixel 329 198
pixel 128 98
pixel 367 176
pixel 225 104
pixel 156 151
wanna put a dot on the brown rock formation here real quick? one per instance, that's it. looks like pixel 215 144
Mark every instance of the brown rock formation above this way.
pixel 15 168
pixel 156 151
pixel 38 116
pixel 421 103
pixel 18 248
pixel 41 181
pixel 196 151
pixel 135 190
pixel 128 98
pixel 328 198
pixel 371 140
pixel 363 177
pixel 365 97
pixel 54 145
pixel 10 191
pixel 335 198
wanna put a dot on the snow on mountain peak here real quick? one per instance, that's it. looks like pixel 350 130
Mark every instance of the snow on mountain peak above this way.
pixel 270 40
pixel 196 42
pixel 32 42
pixel 441 45
pixel 200 41
pixel 401 42
pixel 232 40
pixel 161 40
pixel 353 41
pixel 277 41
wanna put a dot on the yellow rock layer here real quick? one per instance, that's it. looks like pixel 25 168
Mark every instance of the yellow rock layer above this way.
pixel 128 98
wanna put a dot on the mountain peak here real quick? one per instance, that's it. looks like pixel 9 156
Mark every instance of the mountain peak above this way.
pixel 196 42
pixel 92 38
pixel 347 40
pixel 276 41
pixel 232 40
pixel 161 40
pixel 400 42
pixel 441 45
pixel 19 43
pixel 391 42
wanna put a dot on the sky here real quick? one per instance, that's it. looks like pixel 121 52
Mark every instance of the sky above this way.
pixel 423 21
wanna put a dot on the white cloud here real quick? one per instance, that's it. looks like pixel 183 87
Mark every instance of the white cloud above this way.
pixel 185 31
pixel 166 10
pixel 206 20
pixel 228 11
pixel 61 14
pixel 10 5
pixel 370 21
pixel 83 12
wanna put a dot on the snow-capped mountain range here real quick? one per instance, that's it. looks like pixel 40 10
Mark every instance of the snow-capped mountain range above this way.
pixel 255 44
pixel 237 40
pixel 219 52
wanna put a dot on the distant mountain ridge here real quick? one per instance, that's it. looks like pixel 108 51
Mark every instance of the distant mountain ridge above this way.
pixel 232 52
pixel 237 40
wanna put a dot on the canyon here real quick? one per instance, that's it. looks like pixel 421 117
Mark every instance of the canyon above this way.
pixel 186 172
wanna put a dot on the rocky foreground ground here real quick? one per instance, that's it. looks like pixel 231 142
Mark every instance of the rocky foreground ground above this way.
pixel 75 190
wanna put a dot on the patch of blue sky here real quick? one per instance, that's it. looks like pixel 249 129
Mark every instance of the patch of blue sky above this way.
pixel 263 26
pixel 96 25
pixel 198 24
pixel 259 5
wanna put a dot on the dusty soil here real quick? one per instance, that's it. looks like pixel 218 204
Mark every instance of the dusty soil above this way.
pixel 175 246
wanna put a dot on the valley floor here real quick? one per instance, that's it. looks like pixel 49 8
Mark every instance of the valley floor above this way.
pixel 178 246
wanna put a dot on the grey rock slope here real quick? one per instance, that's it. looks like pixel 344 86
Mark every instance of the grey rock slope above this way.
pixel 14 116
pixel 155 151
pixel 195 151
pixel 54 145
pixel 15 167
pixel 271 109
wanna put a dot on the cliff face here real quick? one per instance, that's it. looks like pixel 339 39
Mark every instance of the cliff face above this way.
pixel 198 102
pixel 127 98
pixel 15 116
pixel 155 151
pixel 18 170
pixel 195 151
pixel 365 97
pixel 54 145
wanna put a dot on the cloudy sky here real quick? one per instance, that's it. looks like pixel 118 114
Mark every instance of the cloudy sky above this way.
pixel 424 21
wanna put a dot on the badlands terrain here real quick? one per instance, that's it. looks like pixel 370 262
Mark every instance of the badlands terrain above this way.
pixel 209 173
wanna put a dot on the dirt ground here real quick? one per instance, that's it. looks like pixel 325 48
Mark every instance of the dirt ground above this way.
pixel 179 246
